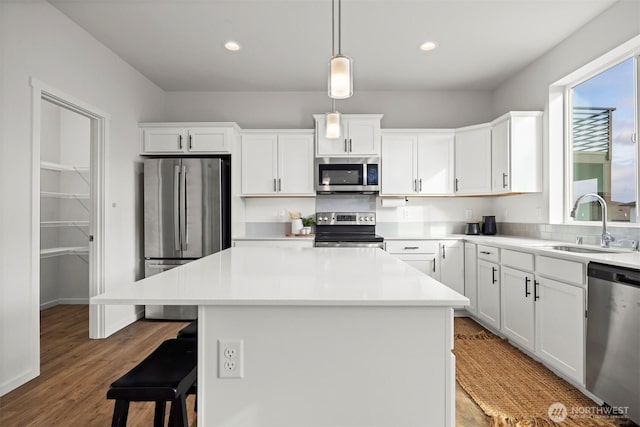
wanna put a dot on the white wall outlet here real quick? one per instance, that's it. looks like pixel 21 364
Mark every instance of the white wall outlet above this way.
pixel 230 358
pixel 468 213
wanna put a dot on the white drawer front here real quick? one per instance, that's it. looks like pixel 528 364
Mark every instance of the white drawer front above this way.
pixel 561 269
pixel 489 253
pixel 412 246
pixel 519 260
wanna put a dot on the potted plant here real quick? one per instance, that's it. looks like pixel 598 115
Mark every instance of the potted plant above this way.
pixel 307 224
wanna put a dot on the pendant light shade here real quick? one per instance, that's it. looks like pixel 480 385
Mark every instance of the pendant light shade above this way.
pixel 340 66
pixel 332 127
pixel 340 77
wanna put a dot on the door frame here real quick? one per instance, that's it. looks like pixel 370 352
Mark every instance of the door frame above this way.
pixel 100 122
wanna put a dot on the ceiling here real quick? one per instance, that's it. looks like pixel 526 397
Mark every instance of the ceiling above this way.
pixel 286 44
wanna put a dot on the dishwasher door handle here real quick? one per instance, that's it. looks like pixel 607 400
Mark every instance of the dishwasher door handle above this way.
pixel 623 278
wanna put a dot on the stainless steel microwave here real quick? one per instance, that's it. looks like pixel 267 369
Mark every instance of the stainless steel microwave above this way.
pixel 349 174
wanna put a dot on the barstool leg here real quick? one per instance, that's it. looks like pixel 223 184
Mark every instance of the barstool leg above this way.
pixel 178 413
pixel 158 417
pixel 120 413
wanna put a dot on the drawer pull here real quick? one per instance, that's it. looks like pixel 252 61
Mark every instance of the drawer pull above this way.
pixel 411 247
pixel 485 252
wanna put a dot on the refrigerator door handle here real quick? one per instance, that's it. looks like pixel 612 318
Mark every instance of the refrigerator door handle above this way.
pixel 176 208
pixel 183 204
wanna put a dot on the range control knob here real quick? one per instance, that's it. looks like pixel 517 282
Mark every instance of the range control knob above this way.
pixel 371 218
pixel 325 219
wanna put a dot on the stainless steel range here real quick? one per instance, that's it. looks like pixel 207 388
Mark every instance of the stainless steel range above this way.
pixel 347 230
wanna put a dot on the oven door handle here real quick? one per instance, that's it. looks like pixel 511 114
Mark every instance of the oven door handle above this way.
pixel 349 245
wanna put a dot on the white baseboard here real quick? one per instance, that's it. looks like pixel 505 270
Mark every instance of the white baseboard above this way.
pixel 17 381
pixel 60 301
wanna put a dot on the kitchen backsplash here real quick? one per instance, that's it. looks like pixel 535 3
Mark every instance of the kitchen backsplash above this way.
pixel 568 233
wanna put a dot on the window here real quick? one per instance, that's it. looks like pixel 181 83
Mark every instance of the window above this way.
pixel 602 153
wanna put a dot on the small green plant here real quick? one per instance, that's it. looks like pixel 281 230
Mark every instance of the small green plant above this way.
pixel 308 222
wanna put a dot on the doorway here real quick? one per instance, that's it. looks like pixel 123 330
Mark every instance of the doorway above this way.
pixel 69 143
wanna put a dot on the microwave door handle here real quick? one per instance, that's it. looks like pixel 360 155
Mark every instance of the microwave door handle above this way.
pixel 176 208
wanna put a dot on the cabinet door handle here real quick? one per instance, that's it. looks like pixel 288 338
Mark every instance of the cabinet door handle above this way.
pixel 190 142
pixel 415 185
pixel 536 296
pixel 275 185
pixel 350 146
pixel 420 181
pixel 411 247
pixel 443 253
pixel 504 183
pixel 526 287
pixel 456 185
pixel 180 142
pixel 346 146
pixel 279 184
pixel 493 274
pixel 434 265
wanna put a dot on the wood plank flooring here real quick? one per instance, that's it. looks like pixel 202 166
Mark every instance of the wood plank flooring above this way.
pixel 76 372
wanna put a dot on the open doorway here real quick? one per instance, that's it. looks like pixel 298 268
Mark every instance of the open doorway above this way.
pixel 69 139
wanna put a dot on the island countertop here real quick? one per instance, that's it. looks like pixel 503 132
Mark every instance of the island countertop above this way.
pixel 289 276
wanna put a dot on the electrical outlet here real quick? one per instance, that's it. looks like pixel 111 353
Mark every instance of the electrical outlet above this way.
pixel 468 213
pixel 230 358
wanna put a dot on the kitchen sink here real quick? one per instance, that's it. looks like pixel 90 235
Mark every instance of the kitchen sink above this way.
pixel 583 250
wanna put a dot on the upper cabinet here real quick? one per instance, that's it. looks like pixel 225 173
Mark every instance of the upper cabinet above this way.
pixel 473 160
pixel 277 163
pixel 417 162
pixel 516 152
pixel 359 136
pixel 187 138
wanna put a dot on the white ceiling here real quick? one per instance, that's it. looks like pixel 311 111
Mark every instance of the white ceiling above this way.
pixel 286 44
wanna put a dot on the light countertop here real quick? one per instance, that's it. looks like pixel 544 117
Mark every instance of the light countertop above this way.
pixel 289 276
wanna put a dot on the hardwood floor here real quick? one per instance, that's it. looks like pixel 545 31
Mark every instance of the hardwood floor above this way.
pixel 76 372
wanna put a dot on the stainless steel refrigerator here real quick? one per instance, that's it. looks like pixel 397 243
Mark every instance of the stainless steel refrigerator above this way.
pixel 187 211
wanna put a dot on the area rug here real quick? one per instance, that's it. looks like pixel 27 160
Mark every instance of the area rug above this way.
pixel 516 391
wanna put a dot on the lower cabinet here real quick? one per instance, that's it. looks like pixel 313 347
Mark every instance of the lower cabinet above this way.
pixel 560 320
pixel 420 254
pixel 517 303
pixel 489 293
pixel 452 265
pixel 471 277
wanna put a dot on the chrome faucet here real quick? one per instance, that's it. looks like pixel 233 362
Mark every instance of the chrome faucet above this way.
pixel 606 237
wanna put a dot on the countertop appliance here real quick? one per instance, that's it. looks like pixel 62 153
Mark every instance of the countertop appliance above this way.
pixel 349 174
pixel 186 216
pixel 347 230
pixel 613 336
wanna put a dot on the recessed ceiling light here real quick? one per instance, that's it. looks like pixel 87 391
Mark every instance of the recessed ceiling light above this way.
pixel 232 46
pixel 426 46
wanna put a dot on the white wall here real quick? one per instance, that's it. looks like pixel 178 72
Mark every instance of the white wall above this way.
pixel 38 41
pixel 529 90
pixel 273 110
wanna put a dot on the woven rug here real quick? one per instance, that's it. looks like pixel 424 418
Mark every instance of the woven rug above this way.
pixel 516 391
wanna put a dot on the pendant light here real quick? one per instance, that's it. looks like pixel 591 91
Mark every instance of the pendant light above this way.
pixel 340 66
pixel 332 123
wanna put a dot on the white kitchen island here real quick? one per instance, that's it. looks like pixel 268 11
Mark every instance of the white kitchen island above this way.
pixel 330 337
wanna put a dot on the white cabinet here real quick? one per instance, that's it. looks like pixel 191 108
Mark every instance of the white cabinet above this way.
pixel 417 163
pixel 277 163
pixel 473 160
pixel 420 254
pixel 359 136
pixel 516 152
pixel 517 301
pixel 471 277
pixel 489 286
pixel 275 243
pixel 187 138
pixel 452 265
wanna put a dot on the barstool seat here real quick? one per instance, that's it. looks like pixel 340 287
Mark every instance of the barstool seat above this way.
pixel 166 375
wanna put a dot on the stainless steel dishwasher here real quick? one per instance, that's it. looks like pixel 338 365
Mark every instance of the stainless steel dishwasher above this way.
pixel 613 336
